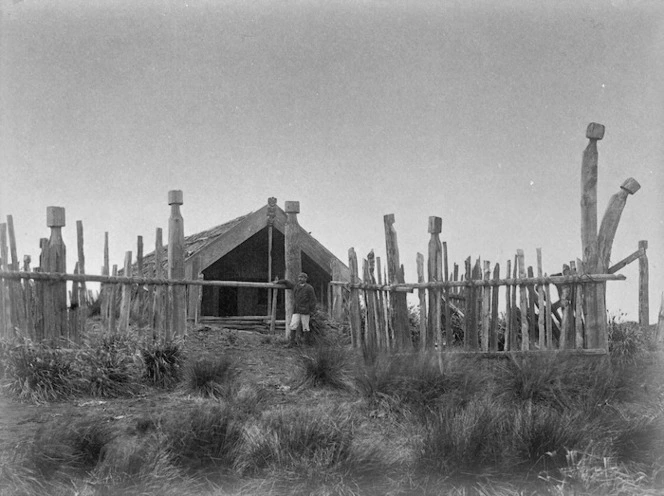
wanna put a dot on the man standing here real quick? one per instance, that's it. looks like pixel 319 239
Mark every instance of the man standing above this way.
pixel 304 304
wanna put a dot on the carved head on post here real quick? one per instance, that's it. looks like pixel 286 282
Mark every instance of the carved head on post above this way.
pixel 595 131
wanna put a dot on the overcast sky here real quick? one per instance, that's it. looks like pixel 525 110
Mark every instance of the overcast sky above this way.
pixel 472 111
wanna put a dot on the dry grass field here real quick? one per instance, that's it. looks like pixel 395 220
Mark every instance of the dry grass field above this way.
pixel 240 414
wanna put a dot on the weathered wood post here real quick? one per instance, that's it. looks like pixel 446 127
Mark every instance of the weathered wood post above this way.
pixel 158 318
pixel 55 292
pixel 589 244
pixel 354 303
pixel 271 215
pixel 293 255
pixel 644 304
pixel 5 313
pixel 523 292
pixel 15 287
pixel 83 291
pixel 125 305
pixel 337 308
pixel 176 264
pixel 375 302
pixel 29 301
pixel 105 290
pixel 425 341
pixel 395 276
pixel 435 274
pixel 597 335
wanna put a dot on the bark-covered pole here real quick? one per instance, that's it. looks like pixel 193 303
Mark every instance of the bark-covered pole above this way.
pixel 176 263
pixel 293 255
pixel 55 292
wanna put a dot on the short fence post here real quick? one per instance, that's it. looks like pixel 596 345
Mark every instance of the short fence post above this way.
pixel 355 320
pixel 435 274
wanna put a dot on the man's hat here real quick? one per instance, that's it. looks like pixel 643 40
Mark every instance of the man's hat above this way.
pixel 303 274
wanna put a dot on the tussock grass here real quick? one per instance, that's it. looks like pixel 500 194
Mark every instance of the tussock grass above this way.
pixel 70 446
pixel 414 382
pixel 302 443
pixel 211 377
pixel 163 364
pixel 204 435
pixel 324 365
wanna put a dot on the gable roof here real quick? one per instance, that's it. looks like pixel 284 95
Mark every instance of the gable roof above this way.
pixel 206 247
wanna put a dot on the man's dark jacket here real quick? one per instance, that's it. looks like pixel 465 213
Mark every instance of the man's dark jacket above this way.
pixel 304 297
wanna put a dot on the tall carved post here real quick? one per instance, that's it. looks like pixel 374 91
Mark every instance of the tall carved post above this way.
pixel 176 263
pixel 597 335
pixel 271 214
pixel 55 292
pixel 292 254
pixel 435 274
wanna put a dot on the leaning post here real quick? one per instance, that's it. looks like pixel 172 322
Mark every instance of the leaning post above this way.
pixel 176 263
pixel 293 256
pixel 55 292
pixel 597 337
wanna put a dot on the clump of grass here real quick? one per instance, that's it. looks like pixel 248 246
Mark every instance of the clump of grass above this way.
pixel 211 377
pixel 307 442
pixel 416 382
pixel 109 369
pixel 163 364
pixel 466 440
pixel 324 366
pixel 68 447
pixel 40 374
pixel 628 341
pixel 205 435
pixel 562 382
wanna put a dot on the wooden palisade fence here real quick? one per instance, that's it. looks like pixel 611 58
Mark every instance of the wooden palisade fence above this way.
pixel 35 302
pixel 491 309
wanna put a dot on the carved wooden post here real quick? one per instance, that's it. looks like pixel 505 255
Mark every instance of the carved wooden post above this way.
pixel 589 244
pixel 644 304
pixel 293 255
pixel 395 275
pixel 176 264
pixel 435 274
pixel 597 332
pixel 55 292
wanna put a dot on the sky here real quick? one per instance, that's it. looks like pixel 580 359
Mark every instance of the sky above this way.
pixel 473 111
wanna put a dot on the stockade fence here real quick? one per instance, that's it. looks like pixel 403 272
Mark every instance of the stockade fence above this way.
pixel 480 311
pixel 50 306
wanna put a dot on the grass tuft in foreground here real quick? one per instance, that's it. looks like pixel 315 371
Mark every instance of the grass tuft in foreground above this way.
pixel 324 366
pixel 211 377
pixel 163 364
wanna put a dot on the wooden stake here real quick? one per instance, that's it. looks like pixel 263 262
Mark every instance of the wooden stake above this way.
pixel 525 330
pixel 644 304
pixel 425 342
pixel 176 264
pixel 493 331
pixel 398 301
pixel 125 305
pixel 355 319
pixel 293 255
pixel 486 307
pixel 541 319
pixel 435 274
pixel 508 311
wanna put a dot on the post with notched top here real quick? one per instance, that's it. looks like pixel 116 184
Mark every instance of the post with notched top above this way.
pixel 55 292
pixel 176 263
pixel 293 255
